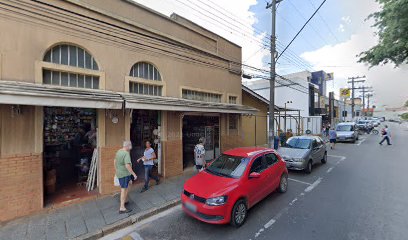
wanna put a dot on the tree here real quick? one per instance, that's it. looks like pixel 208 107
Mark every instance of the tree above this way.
pixel 392 24
pixel 406 104
pixel 404 116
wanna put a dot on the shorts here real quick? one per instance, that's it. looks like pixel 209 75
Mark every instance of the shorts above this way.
pixel 124 182
pixel 199 167
pixel 332 140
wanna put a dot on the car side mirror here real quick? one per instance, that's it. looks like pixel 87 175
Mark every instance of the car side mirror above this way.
pixel 254 175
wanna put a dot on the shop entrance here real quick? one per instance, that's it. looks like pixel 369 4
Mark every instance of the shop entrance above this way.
pixel 69 142
pixel 144 127
pixel 195 127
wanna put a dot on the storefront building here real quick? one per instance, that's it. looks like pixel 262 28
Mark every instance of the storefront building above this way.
pixel 76 76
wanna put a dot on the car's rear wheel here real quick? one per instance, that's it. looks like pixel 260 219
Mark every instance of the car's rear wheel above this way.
pixel 283 184
pixel 309 167
pixel 324 160
pixel 239 213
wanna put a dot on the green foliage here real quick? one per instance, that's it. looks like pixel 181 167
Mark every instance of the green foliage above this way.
pixel 406 104
pixel 404 116
pixel 392 25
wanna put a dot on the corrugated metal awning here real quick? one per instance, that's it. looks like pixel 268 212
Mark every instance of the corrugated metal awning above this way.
pixel 133 101
pixel 21 93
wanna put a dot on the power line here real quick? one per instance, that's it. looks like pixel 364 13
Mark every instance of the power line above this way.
pixel 324 21
pixel 297 34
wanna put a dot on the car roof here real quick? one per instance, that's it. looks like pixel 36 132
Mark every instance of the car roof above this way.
pixel 247 151
pixel 346 123
pixel 311 137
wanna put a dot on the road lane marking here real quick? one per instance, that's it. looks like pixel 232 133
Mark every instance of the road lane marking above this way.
pixel 336 156
pixel 293 201
pixel 295 180
pixel 360 142
pixel 330 169
pixel 311 187
pixel 270 223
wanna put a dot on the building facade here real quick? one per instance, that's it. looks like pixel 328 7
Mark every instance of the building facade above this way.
pixel 82 75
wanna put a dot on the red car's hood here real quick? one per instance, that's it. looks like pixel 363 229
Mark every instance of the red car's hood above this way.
pixel 207 185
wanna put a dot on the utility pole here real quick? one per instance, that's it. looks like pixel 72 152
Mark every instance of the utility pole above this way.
pixel 271 134
pixel 368 100
pixel 353 81
pixel 365 90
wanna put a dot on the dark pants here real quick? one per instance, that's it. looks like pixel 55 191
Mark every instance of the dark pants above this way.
pixel 386 138
pixel 148 175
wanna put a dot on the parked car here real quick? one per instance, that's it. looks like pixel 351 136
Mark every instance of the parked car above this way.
pixel 347 132
pixel 232 184
pixel 302 152
pixel 364 126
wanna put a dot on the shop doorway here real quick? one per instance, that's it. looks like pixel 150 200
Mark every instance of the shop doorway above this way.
pixel 144 127
pixel 195 127
pixel 69 142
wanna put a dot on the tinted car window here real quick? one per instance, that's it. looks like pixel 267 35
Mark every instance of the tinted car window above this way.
pixel 228 166
pixel 258 165
pixel 314 144
pixel 271 159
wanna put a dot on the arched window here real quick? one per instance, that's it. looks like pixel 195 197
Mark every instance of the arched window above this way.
pixel 146 71
pixel 73 56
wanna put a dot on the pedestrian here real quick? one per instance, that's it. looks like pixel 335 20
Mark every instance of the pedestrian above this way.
pixel 327 129
pixel 289 134
pixel 148 156
pixel 124 173
pixel 332 138
pixel 199 154
pixel 282 137
pixel 385 132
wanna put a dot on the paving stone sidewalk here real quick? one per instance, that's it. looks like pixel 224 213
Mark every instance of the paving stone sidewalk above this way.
pixel 92 219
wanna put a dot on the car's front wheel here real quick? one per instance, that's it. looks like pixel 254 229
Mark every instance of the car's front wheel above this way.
pixel 239 213
pixel 309 167
pixel 324 160
pixel 283 184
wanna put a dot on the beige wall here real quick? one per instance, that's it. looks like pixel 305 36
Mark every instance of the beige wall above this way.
pixel 254 127
pixel 27 40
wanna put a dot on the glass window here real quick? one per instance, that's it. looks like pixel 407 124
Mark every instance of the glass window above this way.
pixel 47 77
pixel 232 100
pixel 55 55
pixel 88 81
pixel 200 96
pixel 95 84
pixel 258 165
pixel 73 57
pixel 64 54
pixel 233 122
pixel 64 79
pixel 298 143
pixel 271 159
pixel 146 71
pixel 228 166
pixel 81 81
pixel 81 58
pixel 73 80
pixel 88 61
pixel 55 78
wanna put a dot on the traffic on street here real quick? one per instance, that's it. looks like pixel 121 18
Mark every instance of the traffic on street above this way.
pixel 358 194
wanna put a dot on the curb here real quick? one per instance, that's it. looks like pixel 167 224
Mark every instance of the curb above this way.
pixel 132 219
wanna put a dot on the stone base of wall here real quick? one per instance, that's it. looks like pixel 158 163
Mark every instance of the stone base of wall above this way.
pixel 107 170
pixel 21 185
pixel 173 158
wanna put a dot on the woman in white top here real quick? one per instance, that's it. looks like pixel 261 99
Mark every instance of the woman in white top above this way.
pixel 148 157
pixel 199 154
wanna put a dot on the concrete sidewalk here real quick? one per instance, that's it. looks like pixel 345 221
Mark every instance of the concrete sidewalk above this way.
pixel 96 218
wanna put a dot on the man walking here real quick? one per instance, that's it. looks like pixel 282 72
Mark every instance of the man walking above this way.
pixel 385 132
pixel 124 173
pixel 332 138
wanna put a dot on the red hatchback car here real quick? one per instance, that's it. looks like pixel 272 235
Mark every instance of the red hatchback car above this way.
pixel 233 183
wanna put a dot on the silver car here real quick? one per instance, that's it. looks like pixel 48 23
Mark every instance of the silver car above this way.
pixel 302 152
pixel 347 132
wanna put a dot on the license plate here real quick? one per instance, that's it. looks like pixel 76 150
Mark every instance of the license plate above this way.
pixel 342 138
pixel 191 207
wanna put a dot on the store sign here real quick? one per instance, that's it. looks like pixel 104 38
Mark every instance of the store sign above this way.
pixel 345 92
pixel 329 76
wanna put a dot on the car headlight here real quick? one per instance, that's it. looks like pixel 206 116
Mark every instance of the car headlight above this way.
pixel 217 201
pixel 298 159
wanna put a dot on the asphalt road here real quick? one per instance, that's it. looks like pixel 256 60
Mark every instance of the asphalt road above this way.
pixel 361 193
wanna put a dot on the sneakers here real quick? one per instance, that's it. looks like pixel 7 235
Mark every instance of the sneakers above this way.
pixel 143 190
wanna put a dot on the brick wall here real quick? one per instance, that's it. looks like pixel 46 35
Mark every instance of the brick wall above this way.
pixel 21 185
pixel 173 160
pixel 107 169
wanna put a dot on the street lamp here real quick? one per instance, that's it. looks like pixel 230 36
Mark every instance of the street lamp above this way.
pixel 287 102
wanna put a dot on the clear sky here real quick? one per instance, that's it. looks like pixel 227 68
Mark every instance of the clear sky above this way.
pixel 330 42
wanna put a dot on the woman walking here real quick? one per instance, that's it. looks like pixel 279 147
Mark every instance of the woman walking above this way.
pixel 148 157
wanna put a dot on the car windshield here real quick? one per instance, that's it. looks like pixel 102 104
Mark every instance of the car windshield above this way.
pixel 344 128
pixel 228 166
pixel 298 143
